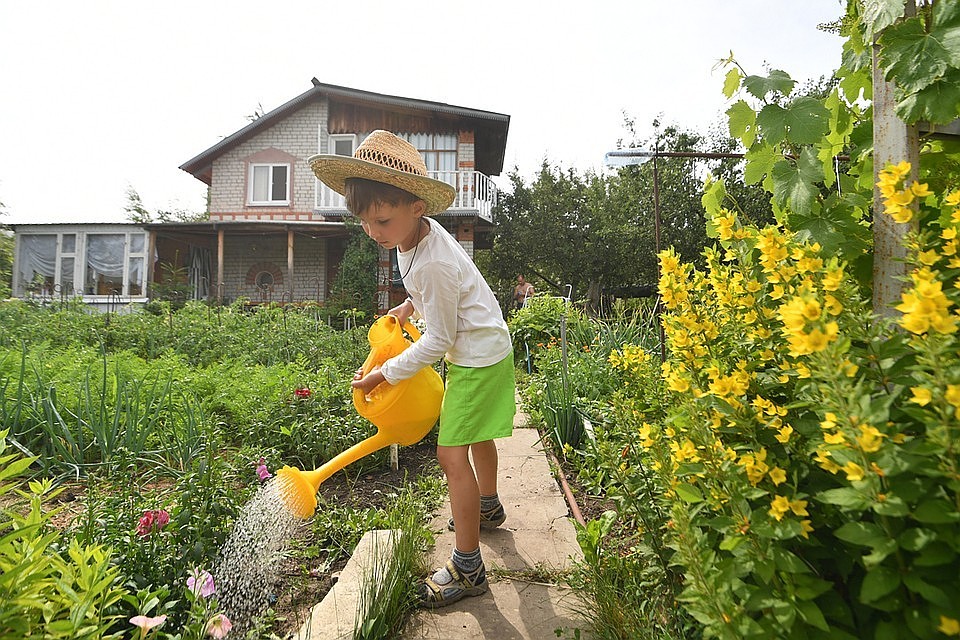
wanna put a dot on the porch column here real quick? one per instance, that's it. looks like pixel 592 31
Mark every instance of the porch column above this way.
pixel 290 261
pixel 220 266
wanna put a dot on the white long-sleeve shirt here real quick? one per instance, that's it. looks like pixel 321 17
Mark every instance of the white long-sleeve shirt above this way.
pixel 463 317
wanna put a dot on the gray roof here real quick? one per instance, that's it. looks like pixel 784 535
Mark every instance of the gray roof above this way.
pixel 199 166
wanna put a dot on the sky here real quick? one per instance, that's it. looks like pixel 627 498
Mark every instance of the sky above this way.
pixel 99 97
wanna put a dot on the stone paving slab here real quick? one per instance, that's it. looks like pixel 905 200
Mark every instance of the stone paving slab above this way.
pixel 536 537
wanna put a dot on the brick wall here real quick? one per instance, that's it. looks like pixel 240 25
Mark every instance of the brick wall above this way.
pixel 241 254
pixel 296 135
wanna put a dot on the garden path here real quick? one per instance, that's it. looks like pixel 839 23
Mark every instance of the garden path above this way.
pixel 522 557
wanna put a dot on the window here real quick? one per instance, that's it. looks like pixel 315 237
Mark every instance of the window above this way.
pixel 439 150
pixel 343 144
pixel 269 184
pixel 83 263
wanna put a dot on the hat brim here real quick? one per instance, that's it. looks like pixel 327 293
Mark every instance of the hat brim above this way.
pixel 334 170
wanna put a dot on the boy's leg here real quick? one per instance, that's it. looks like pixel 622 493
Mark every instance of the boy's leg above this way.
pixel 464 574
pixel 464 495
pixel 485 461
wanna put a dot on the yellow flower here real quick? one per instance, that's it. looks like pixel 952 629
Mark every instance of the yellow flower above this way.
pixel 869 439
pixel 928 258
pixel 778 507
pixel 799 507
pixel 953 394
pixel 921 395
pixel 777 475
pixel 831 281
pixel 828 465
pixel 805 528
pixel 949 626
pixel 784 434
pixel 920 190
pixel 834 438
pixel 953 199
pixel 854 471
pixel 949 233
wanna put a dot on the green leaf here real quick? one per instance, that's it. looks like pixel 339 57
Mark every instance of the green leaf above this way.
pixel 938 103
pixel 760 161
pixel 688 493
pixel 877 15
pixel 760 86
pixel 935 554
pixel 946 26
pixel 892 506
pixel 731 82
pixel 846 497
pixel 794 185
pixel 910 56
pixel 811 614
pixel 742 121
pixel 878 583
pixel 804 121
pixel 880 553
pixel 936 512
pixel 916 539
pixel 788 562
pixel 865 534
pixel 929 592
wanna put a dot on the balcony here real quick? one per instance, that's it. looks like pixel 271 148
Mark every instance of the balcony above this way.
pixel 476 193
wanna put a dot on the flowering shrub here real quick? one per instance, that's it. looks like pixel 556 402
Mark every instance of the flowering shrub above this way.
pixel 809 458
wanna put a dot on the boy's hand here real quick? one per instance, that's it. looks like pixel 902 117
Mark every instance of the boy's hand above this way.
pixel 402 311
pixel 366 383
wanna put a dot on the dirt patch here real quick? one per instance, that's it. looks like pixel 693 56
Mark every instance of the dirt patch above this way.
pixel 304 582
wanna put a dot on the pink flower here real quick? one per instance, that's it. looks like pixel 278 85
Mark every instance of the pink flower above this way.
pixel 219 626
pixel 262 472
pixel 152 520
pixel 302 392
pixel 145 623
pixel 201 583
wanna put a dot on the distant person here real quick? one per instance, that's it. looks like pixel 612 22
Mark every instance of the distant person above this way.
pixel 386 185
pixel 521 292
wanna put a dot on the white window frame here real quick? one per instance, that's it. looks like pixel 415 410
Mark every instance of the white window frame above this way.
pixel 267 203
pixel 339 137
pixel 79 256
pixel 81 265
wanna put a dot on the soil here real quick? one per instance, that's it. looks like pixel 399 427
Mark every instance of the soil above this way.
pixel 304 582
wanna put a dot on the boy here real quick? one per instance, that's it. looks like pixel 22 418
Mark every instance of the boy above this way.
pixel 386 185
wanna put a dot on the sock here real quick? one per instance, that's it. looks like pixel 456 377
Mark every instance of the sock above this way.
pixel 489 502
pixel 465 562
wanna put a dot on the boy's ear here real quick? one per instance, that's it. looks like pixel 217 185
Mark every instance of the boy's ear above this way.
pixel 419 208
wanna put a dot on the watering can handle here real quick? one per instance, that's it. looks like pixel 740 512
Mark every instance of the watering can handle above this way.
pixel 368 364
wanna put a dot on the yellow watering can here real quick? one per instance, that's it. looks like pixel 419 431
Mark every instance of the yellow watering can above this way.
pixel 403 414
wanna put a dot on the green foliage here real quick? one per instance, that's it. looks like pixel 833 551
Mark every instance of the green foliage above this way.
pixel 45 594
pixel 6 261
pixel 355 285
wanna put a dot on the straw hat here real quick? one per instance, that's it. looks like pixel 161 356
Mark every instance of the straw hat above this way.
pixel 384 157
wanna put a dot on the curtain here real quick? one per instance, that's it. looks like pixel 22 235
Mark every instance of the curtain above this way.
pixel 38 255
pixel 200 272
pixel 105 254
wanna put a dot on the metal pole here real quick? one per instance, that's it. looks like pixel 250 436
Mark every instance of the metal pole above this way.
pixel 656 239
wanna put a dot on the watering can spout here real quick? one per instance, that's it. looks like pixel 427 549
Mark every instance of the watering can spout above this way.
pixel 403 414
pixel 299 488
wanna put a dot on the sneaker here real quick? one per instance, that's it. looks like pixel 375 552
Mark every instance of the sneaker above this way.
pixel 434 594
pixel 489 519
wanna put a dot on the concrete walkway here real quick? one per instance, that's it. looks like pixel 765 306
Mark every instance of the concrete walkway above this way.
pixel 522 556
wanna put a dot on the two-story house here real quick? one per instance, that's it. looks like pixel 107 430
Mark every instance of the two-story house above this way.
pixel 274 231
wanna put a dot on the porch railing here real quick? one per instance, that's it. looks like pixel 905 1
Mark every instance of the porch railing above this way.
pixel 475 191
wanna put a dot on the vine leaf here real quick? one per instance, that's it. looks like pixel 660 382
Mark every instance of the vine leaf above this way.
pixel 911 56
pixel 938 103
pixel 731 82
pixel 879 14
pixel 804 121
pixel 760 86
pixel 742 122
pixel 760 160
pixel 794 184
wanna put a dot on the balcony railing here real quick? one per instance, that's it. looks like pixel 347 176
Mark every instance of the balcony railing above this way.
pixel 475 192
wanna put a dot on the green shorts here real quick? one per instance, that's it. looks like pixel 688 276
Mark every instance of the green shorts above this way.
pixel 479 403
